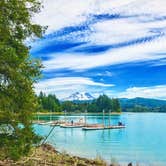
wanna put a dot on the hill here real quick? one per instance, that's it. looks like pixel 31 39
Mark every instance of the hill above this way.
pixel 143 105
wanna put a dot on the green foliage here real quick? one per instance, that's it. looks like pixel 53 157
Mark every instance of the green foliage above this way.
pixel 68 105
pixel 18 73
pixel 116 105
pixel 74 106
pixel 143 105
pixel 103 102
pixel 49 103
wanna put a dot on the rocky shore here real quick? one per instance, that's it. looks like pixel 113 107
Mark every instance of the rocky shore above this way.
pixel 46 155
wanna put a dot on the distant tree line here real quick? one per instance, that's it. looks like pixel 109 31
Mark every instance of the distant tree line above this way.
pixel 103 102
pixel 48 103
pixel 143 105
pixel 142 108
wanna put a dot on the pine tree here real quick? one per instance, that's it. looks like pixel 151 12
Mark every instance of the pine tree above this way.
pixel 18 73
pixel 116 105
pixel 103 102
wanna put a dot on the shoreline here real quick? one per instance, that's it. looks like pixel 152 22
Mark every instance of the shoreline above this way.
pixel 93 114
pixel 47 155
pixel 76 113
pixel 112 162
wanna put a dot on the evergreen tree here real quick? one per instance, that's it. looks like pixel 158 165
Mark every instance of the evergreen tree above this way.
pixel 92 107
pixel 48 103
pixel 18 73
pixel 116 105
pixel 68 106
pixel 103 102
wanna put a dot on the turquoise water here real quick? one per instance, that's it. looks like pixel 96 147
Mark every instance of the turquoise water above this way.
pixel 142 141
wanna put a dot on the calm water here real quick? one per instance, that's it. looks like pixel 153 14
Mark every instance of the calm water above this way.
pixel 143 140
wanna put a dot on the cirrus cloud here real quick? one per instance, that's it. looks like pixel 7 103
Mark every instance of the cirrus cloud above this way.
pixel 98 35
pixel 67 85
pixel 158 92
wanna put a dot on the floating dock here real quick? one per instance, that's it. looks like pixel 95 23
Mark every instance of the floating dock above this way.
pixel 51 123
pixel 103 127
pixel 57 123
pixel 46 123
pixel 37 121
pixel 40 122
pixel 74 125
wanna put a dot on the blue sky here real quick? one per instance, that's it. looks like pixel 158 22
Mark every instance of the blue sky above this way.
pixel 114 47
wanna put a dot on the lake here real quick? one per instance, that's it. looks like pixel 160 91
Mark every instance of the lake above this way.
pixel 142 141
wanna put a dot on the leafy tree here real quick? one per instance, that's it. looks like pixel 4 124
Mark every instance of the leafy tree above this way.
pixel 116 105
pixel 103 102
pixel 92 107
pixel 48 103
pixel 68 106
pixel 18 73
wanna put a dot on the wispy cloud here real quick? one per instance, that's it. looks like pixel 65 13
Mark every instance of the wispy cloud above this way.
pixel 113 32
pixel 161 62
pixel 106 73
pixel 87 35
pixel 141 52
pixel 158 92
pixel 60 13
pixel 68 85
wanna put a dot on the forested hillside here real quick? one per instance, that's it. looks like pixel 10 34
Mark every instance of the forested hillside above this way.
pixel 103 102
pixel 52 104
pixel 143 105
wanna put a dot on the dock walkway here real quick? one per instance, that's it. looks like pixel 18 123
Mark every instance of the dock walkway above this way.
pixel 103 127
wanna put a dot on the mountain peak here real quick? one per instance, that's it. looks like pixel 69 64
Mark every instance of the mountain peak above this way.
pixel 79 96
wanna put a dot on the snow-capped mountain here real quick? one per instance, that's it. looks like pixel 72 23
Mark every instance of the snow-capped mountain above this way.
pixel 79 96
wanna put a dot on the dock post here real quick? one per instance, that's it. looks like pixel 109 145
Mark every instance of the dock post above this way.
pixel 50 115
pixel 38 118
pixel 65 116
pixel 103 119
pixel 85 116
pixel 109 123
